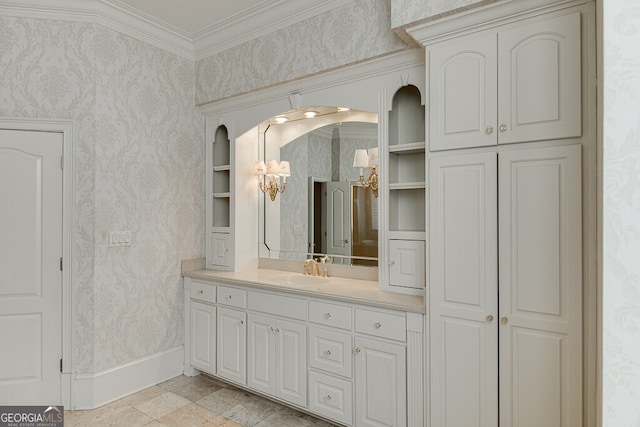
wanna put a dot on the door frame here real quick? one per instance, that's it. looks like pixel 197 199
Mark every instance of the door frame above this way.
pixel 68 232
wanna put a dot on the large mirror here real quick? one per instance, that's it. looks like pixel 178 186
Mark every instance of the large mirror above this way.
pixel 324 208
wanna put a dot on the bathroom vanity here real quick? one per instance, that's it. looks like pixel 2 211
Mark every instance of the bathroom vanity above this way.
pixel 337 348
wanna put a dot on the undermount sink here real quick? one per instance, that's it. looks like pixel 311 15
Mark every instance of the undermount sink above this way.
pixel 298 279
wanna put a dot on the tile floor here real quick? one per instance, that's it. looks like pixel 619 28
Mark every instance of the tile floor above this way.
pixel 189 402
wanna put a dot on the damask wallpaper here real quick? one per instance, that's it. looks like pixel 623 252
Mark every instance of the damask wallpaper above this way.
pixel 138 163
pixel 406 12
pixel 621 219
pixel 345 35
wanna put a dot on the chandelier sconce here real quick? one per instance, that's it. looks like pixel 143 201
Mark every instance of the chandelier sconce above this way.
pixel 272 171
pixel 367 159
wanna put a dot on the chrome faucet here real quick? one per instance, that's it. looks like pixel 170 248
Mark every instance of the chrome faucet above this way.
pixel 311 268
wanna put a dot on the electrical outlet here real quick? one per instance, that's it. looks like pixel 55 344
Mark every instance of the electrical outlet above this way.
pixel 119 239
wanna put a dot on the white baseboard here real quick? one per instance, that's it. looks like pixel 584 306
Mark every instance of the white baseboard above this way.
pixel 92 390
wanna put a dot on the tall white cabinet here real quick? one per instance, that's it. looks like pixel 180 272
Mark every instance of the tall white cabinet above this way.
pixel 505 164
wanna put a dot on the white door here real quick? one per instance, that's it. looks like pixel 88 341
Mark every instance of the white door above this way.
pixel 463 290
pixel 462 94
pixel 231 357
pixel 261 369
pixel 339 219
pixel 540 287
pixel 30 273
pixel 380 378
pixel 291 356
pixel 539 80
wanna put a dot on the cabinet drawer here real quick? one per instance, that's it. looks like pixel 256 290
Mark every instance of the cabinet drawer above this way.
pixel 330 397
pixel 232 297
pixel 203 292
pixel 384 325
pixel 279 305
pixel 330 351
pixel 337 316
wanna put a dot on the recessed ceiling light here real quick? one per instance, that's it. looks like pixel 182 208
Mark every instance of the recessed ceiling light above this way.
pixel 310 114
pixel 281 119
pixel 342 109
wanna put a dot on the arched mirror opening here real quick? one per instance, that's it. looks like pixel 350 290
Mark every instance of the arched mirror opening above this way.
pixel 323 210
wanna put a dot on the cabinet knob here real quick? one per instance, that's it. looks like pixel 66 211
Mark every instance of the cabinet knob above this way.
pixel 242 322
pixel 201 292
pixel 356 350
pixel 346 240
pixel 327 353
pixel 277 330
pixel 327 397
pixel 327 315
pixel 377 325
pixel 503 127
pixel 489 318
pixel 392 263
pixel 504 320
pixel 489 130
pixel 229 297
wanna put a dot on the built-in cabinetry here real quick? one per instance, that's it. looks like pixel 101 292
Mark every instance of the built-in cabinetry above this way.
pixel 405 198
pixel 219 197
pixel 505 223
pixel 506 85
pixel 351 364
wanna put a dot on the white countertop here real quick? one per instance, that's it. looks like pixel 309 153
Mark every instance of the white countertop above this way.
pixel 337 288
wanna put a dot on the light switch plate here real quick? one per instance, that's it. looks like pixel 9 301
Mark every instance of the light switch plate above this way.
pixel 119 238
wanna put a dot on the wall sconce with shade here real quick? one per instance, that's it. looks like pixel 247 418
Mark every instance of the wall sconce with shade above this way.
pixel 272 170
pixel 367 159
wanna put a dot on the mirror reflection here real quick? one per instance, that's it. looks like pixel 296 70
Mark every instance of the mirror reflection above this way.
pixel 325 208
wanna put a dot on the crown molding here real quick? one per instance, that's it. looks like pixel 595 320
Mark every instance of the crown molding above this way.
pixel 258 21
pixel 107 13
pixel 264 18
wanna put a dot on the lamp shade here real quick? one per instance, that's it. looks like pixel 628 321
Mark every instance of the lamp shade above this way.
pixel 284 169
pixel 272 167
pixel 260 168
pixel 373 157
pixel 361 159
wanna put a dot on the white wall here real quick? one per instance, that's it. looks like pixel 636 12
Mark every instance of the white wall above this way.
pixel 621 216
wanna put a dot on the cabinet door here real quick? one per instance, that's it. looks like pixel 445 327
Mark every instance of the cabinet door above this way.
pixel 261 367
pixel 221 249
pixel 463 290
pixel 203 338
pixel 539 80
pixel 232 345
pixel 291 357
pixel 380 382
pixel 406 263
pixel 462 93
pixel 540 287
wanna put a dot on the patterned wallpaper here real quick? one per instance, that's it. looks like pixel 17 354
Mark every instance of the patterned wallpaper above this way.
pixel 138 162
pixel 405 12
pixel 621 219
pixel 343 36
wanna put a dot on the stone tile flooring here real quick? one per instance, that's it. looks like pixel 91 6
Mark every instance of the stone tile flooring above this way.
pixel 189 402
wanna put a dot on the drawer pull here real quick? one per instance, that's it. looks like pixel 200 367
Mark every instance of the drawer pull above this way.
pixel 229 297
pixel 201 292
pixel 357 350
pixel 327 315
pixel 377 325
pixel 327 353
pixel 327 397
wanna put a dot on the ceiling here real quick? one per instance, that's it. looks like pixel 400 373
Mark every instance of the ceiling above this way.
pixel 194 16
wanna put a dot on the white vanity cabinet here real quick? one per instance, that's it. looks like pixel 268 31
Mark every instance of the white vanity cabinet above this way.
pixel 231 338
pixel 514 84
pixel 201 324
pixel 352 364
